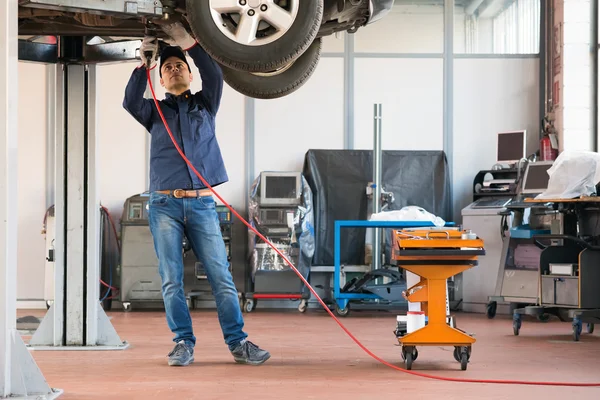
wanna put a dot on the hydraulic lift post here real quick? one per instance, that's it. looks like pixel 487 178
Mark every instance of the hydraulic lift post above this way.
pixel 76 319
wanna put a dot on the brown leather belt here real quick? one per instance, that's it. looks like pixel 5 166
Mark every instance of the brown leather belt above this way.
pixel 181 193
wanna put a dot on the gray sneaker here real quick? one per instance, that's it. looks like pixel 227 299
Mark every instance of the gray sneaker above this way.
pixel 249 353
pixel 181 355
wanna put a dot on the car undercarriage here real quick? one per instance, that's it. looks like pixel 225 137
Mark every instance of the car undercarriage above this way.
pixel 37 19
pixel 266 48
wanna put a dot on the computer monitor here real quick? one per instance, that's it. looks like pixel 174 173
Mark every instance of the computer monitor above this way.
pixel 536 177
pixel 511 146
pixel 280 188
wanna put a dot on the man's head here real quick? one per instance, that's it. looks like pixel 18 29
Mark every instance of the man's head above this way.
pixel 175 72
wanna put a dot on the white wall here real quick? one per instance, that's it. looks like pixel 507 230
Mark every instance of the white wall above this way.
pixel 31 180
pixel 411 98
pixel 310 118
pixel 483 107
pixel 406 29
pixel 410 90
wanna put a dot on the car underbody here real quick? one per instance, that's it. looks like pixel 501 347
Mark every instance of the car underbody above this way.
pixel 266 48
pixel 35 20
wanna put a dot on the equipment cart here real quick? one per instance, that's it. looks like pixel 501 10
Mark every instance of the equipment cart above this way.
pixel 280 209
pixel 569 273
pixel 569 282
pixel 435 256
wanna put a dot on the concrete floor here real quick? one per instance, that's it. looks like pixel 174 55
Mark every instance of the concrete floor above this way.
pixel 312 358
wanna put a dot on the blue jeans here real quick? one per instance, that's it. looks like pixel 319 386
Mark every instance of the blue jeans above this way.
pixel 169 219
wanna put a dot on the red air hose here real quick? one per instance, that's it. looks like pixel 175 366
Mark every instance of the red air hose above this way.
pixel 509 382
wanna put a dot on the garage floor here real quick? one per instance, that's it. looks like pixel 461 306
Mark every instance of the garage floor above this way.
pixel 312 358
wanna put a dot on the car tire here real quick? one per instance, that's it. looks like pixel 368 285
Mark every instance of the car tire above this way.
pixel 278 49
pixel 279 83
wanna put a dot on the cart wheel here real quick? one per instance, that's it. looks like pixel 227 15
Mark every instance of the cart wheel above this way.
pixel 543 317
pixel 577 328
pixel 491 309
pixel 127 307
pixel 516 327
pixel 590 328
pixel 303 306
pixel 342 312
pixel 516 323
pixel 409 360
pixel 249 305
pixel 456 353
pixel 464 360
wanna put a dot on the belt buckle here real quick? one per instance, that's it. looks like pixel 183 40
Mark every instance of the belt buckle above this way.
pixel 178 193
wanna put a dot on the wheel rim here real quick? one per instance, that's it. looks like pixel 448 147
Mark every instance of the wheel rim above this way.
pixel 275 72
pixel 254 22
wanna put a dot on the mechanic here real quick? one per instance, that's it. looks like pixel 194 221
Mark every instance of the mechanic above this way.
pixel 179 202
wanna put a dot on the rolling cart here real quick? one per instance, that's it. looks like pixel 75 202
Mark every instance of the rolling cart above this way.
pixel 435 256
pixel 569 273
pixel 569 284
pixel 280 208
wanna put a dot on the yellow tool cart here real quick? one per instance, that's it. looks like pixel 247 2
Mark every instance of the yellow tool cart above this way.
pixel 435 255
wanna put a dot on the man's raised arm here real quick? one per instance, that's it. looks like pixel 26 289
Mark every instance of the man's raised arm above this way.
pixel 212 78
pixel 210 71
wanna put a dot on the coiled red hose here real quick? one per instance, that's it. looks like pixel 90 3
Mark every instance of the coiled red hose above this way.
pixel 366 350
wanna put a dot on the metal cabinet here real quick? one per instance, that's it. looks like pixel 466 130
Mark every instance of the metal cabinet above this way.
pixel 560 290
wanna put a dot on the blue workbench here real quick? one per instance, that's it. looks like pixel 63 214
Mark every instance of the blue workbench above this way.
pixel 342 299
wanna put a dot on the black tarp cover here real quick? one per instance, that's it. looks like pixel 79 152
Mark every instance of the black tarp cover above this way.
pixel 338 179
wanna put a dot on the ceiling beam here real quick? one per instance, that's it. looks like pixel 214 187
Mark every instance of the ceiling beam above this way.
pixel 473 6
pixel 486 8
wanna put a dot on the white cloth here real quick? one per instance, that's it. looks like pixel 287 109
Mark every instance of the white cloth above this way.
pixel 573 174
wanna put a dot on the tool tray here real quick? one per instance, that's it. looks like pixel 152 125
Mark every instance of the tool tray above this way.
pixel 445 247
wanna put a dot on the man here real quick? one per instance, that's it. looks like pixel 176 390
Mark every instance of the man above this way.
pixel 179 202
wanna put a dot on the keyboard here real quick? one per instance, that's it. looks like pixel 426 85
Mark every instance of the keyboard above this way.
pixel 491 203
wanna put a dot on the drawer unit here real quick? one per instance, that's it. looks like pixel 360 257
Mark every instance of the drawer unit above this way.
pixel 560 290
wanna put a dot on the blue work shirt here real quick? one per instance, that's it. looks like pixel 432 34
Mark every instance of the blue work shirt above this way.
pixel 191 118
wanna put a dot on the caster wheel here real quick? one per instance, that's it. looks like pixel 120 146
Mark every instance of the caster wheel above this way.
pixel 409 360
pixel 303 306
pixel 543 317
pixel 249 305
pixel 49 304
pixel 590 328
pixel 412 351
pixel 458 351
pixel 491 309
pixel 577 327
pixel 464 360
pixel 127 307
pixel 516 327
pixel 342 312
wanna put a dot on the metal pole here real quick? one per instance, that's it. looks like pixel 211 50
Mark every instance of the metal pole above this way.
pixel 376 257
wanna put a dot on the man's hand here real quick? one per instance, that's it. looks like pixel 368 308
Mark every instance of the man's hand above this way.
pixel 179 36
pixel 149 51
